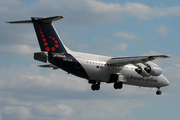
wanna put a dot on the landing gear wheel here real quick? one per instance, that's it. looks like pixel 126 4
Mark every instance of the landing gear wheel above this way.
pixel 118 85
pixel 158 92
pixel 95 87
pixel 115 86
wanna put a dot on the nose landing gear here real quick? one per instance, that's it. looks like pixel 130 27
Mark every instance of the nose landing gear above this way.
pixel 158 92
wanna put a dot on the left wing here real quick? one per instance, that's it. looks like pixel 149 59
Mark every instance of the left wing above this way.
pixel 134 60
pixel 49 66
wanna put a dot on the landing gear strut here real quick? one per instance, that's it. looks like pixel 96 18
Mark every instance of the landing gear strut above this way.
pixel 95 86
pixel 118 85
pixel 158 92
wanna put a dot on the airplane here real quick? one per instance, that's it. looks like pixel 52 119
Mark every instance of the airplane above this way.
pixel 136 71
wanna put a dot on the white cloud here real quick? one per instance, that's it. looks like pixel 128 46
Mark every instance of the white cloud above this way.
pixel 152 53
pixel 113 46
pixel 162 30
pixel 107 46
pixel 60 110
pixel 90 11
pixel 78 46
pixel 16 112
pixel 35 78
pixel 125 35
pixel 177 65
pixel 120 47
pixel 53 81
pixel 112 107
pixel 18 49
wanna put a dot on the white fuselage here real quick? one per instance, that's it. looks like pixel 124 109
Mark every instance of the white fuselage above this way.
pixel 97 69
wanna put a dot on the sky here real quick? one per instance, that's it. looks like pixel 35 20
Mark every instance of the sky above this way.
pixel 112 28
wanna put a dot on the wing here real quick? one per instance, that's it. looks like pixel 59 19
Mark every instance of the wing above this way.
pixel 135 60
pixel 49 66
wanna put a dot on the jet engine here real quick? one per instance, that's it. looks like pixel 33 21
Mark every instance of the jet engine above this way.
pixel 153 70
pixel 140 70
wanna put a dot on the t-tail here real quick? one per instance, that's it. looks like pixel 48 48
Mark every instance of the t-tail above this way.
pixel 48 38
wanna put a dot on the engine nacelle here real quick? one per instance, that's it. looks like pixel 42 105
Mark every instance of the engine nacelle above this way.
pixel 140 70
pixel 153 70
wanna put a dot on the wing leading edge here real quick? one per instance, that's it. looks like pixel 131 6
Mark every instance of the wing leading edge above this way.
pixel 134 60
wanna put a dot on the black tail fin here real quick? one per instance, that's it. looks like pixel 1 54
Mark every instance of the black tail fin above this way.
pixel 47 36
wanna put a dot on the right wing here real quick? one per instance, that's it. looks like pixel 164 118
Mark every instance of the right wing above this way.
pixel 134 60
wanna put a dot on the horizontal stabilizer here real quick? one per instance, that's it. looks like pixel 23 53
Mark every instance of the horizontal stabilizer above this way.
pixel 43 20
pixel 49 66
pixel 17 22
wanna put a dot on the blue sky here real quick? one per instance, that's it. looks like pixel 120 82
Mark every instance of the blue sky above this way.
pixel 112 28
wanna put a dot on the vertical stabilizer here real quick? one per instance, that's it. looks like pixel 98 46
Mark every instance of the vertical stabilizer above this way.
pixel 48 38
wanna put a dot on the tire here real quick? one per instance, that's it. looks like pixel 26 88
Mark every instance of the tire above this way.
pixel 158 92
pixel 93 87
pixel 97 87
pixel 115 86
pixel 120 85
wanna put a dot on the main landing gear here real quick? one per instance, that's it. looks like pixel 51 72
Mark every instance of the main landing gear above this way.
pixel 118 85
pixel 95 86
pixel 158 92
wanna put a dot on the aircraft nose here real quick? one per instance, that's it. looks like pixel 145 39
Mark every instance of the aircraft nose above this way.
pixel 167 82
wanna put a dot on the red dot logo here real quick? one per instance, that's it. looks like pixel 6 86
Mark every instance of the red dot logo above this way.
pixel 45 43
pixel 53 38
pixel 42 35
pixel 44 39
pixel 53 48
pixel 47 48
pixel 56 45
pixel 41 32
pixel 50 37
pixel 56 41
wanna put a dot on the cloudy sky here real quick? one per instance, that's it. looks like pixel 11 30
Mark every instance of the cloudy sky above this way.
pixel 112 28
